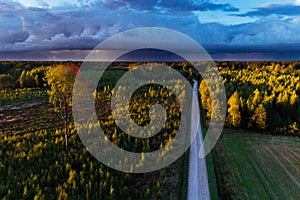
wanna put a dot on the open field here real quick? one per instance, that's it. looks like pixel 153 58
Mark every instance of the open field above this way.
pixel 257 166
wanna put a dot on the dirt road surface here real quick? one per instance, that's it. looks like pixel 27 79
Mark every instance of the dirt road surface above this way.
pixel 198 188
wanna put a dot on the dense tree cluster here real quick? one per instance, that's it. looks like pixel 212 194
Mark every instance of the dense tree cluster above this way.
pixel 14 75
pixel 261 95
pixel 21 75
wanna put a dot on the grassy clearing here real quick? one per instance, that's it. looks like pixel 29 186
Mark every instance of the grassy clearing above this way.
pixel 213 188
pixel 211 177
pixel 211 173
pixel 257 166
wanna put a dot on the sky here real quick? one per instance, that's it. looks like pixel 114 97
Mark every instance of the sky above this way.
pixel 228 30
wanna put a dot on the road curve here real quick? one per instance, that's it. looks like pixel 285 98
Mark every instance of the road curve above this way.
pixel 198 187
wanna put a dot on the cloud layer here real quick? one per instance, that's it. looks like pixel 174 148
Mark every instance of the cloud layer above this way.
pixel 74 25
pixel 274 9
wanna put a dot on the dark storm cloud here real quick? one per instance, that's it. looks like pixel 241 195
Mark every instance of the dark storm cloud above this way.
pixel 11 30
pixel 133 4
pixel 40 29
pixel 274 9
pixel 166 5
pixel 189 5
pixel 13 36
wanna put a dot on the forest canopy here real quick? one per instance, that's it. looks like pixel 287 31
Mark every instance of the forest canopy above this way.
pixel 261 95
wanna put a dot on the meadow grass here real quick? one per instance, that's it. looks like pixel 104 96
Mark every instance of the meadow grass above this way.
pixel 253 165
